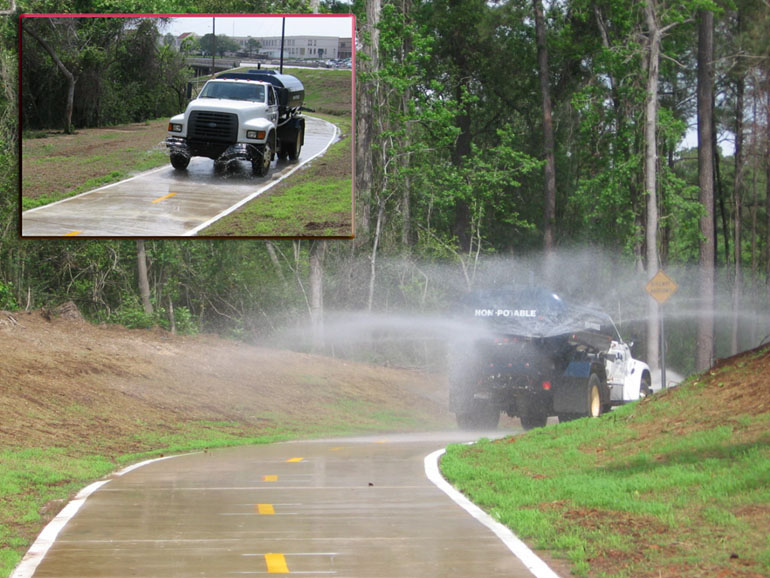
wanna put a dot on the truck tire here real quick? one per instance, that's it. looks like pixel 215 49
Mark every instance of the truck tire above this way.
pixel 179 162
pixel 594 393
pixel 480 416
pixel 261 165
pixel 296 147
pixel 645 389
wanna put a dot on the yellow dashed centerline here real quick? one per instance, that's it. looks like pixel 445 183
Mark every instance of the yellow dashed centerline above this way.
pixel 276 564
pixel 168 196
pixel 73 233
pixel 270 478
pixel 294 460
pixel 265 509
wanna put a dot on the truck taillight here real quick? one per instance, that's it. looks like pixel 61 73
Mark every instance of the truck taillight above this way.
pixel 547 385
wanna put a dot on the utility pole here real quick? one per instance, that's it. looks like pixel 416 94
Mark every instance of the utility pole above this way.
pixel 214 45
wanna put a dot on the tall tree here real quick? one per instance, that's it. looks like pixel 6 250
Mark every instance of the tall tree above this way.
pixel 70 72
pixel 144 284
pixel 548 138
pixel 705 338
pixel 654 34
pixel 316 261
pixel 366 105
pixel 740 84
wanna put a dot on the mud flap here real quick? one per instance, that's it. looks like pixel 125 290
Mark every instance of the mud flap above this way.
pixel 569 391
pixel 569 396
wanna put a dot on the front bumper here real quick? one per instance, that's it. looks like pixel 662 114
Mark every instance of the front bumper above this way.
pixel 220 152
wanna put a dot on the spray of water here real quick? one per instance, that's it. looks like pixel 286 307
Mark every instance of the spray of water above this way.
pixel 415 314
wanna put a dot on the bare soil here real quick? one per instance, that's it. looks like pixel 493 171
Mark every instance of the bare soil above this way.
pixel 59 163
pixel 66 380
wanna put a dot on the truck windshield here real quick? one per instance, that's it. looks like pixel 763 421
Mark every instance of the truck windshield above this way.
pixel 234 91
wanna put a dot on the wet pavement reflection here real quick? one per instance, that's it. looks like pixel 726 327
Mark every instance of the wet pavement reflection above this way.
pixel 353 508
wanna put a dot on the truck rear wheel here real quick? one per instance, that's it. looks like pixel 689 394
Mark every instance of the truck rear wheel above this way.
pixel 295 149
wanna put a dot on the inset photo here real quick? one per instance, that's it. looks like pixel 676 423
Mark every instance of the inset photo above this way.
pixel 154 126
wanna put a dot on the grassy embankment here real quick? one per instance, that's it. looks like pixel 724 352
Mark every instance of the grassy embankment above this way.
pixel 675 486
pixel 56 166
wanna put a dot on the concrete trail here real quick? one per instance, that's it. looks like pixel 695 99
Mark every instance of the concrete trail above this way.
pixel 165 202
pixel 351 507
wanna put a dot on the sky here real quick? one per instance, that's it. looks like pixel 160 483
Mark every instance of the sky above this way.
pixel 296 25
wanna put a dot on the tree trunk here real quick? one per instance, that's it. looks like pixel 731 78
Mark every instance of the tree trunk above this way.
pixel 373 257
pixel 548 138
pixel 317 250
pixel 274 260
pixel 720 196
pixel 767 186
pixel 650 177
pixel 171 318
pixel 738 202
pixel 462 149
pixel 144 284
pixel 705 338
pixel 365 105
pixel 71 78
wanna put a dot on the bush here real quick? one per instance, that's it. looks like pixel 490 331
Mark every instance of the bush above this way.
pixel 7 297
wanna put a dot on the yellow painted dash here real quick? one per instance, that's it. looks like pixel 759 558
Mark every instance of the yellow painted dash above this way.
pixel 276 564
pixel 270 478
pixel 265 509
pixel 73 233
pixel 168 196
pixel 294 460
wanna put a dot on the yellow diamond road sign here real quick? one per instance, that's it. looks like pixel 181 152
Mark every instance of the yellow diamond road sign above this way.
pixel 661 287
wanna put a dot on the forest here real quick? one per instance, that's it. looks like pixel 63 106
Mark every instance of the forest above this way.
pixel 579 144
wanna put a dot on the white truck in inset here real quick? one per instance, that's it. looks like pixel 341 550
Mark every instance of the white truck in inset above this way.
pixel 252 116
pixel 531 355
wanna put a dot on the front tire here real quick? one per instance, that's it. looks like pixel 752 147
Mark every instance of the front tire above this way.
pixel 179 161
pixel 261 165
pixel 645 389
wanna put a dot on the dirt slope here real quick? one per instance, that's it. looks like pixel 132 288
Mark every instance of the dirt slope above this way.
pixel 64 380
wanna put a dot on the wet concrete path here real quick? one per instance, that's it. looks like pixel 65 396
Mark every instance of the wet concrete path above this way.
pixel 165 202
pixel 356 508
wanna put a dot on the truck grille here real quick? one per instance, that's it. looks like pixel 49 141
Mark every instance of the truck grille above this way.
pixel 213 126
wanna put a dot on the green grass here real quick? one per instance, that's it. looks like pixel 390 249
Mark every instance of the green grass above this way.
pixel 588 491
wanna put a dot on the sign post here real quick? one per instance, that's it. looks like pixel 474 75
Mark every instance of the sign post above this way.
pixel 660 288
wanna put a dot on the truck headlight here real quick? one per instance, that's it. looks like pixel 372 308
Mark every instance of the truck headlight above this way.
pixel 174 127
pixel 255 134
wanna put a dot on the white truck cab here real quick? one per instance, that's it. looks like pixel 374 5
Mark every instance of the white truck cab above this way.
pixel 239 116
